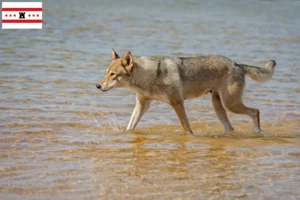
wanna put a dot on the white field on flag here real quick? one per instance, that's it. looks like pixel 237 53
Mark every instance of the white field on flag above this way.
pixel 22 15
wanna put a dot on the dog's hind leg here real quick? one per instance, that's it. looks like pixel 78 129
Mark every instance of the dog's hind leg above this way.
pixel 232 100
pixel 180 111
pixel 221 112
pixel 141 106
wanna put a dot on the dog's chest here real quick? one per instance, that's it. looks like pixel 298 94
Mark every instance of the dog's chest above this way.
pixel 156 96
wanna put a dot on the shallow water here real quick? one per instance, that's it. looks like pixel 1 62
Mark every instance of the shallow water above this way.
pixel 61 138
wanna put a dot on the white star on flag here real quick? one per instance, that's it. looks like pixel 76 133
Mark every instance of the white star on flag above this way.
pixel 22 15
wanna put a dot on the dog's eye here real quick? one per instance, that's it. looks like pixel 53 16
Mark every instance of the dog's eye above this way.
pixel 111 74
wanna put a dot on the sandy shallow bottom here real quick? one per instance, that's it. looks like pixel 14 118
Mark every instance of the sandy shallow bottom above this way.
pixel 158 162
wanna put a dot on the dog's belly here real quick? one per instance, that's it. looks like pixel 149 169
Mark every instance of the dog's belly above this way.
pixel 190 92
pixel 194 95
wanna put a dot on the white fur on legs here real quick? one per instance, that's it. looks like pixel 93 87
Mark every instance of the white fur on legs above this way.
pixel 141 107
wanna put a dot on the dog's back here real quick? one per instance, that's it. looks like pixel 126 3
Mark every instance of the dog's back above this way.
pixel 193 76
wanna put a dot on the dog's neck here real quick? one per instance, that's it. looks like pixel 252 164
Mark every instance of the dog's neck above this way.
pixel 141 76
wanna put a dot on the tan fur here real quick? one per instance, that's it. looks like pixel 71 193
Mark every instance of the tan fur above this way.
pixel 175 79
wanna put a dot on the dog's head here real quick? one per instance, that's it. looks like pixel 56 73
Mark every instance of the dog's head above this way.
pixel 118 73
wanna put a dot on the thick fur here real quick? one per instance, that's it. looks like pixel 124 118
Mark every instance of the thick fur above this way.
pixel 258 73
pixel 175 79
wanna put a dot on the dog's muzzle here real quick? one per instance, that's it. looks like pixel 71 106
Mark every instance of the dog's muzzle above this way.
pixel 98 86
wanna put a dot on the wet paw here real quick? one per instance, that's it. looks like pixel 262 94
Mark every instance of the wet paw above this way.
pixel 229 130
pixel 260 132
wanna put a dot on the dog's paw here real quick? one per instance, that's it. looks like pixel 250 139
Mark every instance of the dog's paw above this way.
pixel 260 132
pixel 229 130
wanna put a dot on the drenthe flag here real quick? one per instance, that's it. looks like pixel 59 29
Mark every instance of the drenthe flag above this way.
pixel 22 15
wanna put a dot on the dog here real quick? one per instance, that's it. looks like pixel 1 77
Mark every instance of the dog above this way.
pixel 175 79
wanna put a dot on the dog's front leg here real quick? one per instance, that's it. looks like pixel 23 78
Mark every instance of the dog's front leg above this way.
pixel 141 106
pixel 180 111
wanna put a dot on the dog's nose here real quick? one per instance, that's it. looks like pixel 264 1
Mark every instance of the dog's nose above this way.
pixel 98 86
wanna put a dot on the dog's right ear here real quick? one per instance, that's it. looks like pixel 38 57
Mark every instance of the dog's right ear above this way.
pixel 114 54
pixel 127 61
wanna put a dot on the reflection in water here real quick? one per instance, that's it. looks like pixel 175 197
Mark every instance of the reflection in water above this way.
pixel 61 138
pixel 148 164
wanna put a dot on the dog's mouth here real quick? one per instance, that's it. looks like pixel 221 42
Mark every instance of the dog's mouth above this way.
pixel 100 88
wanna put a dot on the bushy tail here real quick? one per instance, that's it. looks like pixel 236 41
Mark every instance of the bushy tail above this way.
pixel 260 74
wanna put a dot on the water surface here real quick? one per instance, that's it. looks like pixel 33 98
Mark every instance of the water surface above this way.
pixel 61 138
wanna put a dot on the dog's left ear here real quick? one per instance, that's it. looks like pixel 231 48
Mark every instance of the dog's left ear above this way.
pixel 114 54
pixel 127 61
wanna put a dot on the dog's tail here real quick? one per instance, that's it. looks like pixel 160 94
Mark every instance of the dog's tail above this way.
pixel 260 74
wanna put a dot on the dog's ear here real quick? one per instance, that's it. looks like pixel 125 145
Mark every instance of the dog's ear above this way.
pixel 114 54
pixel 127 61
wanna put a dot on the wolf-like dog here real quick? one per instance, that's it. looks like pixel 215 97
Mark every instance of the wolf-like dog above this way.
pixel 175 79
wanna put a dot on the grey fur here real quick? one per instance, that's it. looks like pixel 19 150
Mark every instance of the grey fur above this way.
pixel 174 79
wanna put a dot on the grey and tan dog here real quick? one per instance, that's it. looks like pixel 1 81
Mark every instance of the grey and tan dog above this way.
pixel 175 79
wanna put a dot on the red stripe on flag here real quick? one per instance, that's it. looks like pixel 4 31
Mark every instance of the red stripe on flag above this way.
pixel 22 9
pixel 21 21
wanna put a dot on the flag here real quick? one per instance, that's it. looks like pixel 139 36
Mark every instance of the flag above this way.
pixel 22 15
